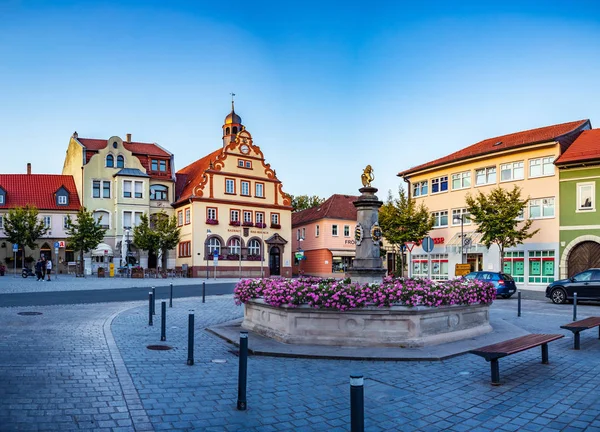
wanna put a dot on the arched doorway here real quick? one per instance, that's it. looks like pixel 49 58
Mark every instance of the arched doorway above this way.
pixel 584 256
pixel 45 251
pixel 275 261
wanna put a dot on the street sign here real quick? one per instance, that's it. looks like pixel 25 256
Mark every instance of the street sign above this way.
pixel 56 250
pixel 56 244
pixel 427 244
pixel 462 269
pixel 15 248
pixel 61 243
pixel 216 253
pixel 409 246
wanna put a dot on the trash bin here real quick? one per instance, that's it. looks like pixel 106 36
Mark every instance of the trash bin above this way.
pixel 100 272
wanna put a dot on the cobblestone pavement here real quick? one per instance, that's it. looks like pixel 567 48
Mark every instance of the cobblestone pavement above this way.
pixel 87 367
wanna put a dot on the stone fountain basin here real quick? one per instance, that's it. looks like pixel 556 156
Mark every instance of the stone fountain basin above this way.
pixel 395 326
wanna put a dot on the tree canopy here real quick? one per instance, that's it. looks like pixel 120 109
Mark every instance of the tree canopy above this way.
pixel 160 234
pixel 84 234
pixel 22 227
pixel 303 202
pixel 499 218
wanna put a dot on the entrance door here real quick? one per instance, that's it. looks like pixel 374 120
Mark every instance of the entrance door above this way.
pixel 152 260
pixel 584 256
pixel 476 261
pixel 275 261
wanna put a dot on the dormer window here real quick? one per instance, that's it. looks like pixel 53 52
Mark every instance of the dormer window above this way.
pixel 110 161
pixel 62 200
pixel 120 162
pixel 1 198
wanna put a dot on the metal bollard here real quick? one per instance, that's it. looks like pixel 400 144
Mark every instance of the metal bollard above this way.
pixel 150 301
pixel 574 306
pixel 357 404
pixel 171 297
pixel 519 303
pixel 203 291
pixel 190 359
pixel 163 321
pixel 243 371
pixel 154 302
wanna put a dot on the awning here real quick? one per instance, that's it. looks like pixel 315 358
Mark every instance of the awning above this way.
pixel 472 241
pixel 342 252
pixel 102 249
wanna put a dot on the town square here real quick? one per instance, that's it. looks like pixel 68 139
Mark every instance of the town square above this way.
pixel 299 217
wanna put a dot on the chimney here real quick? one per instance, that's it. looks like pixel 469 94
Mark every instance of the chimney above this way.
pixel 28 168
pixel 128 138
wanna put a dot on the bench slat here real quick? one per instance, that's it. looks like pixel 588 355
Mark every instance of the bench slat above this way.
pixel 583 324
pixel 516 345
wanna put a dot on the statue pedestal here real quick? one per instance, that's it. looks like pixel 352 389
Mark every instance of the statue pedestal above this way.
pixel 367 266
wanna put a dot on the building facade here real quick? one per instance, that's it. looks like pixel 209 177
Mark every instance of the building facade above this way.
pixel 525 159
pixel 118 181
pixel 579 173
pixel 55 197
pixel 234 217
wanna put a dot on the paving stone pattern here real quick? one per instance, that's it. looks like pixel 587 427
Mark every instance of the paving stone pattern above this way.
pixel 60 371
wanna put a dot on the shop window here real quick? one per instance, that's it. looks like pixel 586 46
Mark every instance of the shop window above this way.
pixel 439 266
pixel 420 267
pixel 541 267
pixel 514 265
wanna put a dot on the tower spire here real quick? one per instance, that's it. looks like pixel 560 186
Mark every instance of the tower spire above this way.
pixel 232 96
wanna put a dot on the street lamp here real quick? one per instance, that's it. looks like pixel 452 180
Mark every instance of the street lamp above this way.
pixel 206 251
pixel 456 220
pixel 300 240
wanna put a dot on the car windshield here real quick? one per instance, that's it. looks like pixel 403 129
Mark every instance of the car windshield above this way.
pixel 506 277
pixel 585 276
pixel 471 276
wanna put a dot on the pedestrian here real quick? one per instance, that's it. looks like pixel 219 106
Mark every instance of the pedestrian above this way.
pixel 43 268
pixel 38 269
pixel 48 269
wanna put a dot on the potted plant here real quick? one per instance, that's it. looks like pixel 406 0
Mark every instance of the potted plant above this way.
pixel 260 225
pixel 233 257
pixel 248 224
pixel 212 222
pixel 234 223
pixel 277 226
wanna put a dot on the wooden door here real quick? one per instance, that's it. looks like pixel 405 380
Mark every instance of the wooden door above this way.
pixel 584 256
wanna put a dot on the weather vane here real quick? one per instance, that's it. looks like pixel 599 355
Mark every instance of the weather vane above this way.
pixel 232 96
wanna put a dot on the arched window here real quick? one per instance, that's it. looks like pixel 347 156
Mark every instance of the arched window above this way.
pixel 120 162
pixel 214 244
pixel 234 245
pixel 226 131
pixel 110 161
pixel 103 218
pixel 234 131
pixel 254 247
pixel 159 193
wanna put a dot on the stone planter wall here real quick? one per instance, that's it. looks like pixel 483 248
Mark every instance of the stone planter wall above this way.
pixel 396 326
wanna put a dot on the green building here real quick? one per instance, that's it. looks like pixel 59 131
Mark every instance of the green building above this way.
pixel 579 176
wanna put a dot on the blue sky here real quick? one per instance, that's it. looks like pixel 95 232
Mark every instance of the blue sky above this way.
pixel 324 87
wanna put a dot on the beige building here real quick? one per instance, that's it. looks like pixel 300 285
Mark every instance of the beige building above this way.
pixel 119 180
pixel 231 205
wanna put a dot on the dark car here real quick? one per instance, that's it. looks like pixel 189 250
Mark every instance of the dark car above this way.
pixel 505 284
pixel 586 284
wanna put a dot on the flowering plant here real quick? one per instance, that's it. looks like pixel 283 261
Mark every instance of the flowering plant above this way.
pixel 253 257
pixel 234 223
pixel 233 256
pixel 260 225
pixel 345 294
pixel 248 224
pixel 275 225
pixel 212 222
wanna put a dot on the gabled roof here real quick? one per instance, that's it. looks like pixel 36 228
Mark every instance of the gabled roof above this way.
pixel 504 142
pixel 335 207
pixel 150 149
pixel 584 149
pixel 38 190
pixel 190 176
pixel 131 172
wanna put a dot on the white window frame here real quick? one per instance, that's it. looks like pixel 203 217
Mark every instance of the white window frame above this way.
pixel 274 218
pixel 234 215
pixel 260 190
pixel 247 216
pixel 62 200
pixel 439 181
pixel 127 188
pixel 510 166
pixel 230 186
pixel 346 230
pixel 188 216
pixel 260 217
pixel 543 203
pixel 245 188
pixel 105 221
pixel 437 218
pixel 580 208
pixel 137 218
pixel 138 185
pixel 303 233
pixel 254 247
pixel 487 172
pixel 211 212
pixel 457 213
pixel 234 246
pixel 316 230
pixel 334 230
pixel 1 198
pixel 1 222
pixel 65 222
pixel 126 215
pixel 543 162
pixel 461 177
pixel 418 188
pixel 47 221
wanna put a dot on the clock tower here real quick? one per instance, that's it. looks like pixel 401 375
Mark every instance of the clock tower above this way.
pixel 231 126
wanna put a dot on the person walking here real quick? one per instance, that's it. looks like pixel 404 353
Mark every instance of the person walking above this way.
pixel 43 268
pixel 48 269
pixel 38 269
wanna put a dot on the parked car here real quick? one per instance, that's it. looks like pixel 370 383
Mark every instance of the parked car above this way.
pixel 586 284
pixel 504 283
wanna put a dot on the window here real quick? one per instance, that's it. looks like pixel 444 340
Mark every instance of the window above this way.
pixel 440 219
pixel 127 189
pixel 1 198
pixel 248 216
pixel 586 193
pixel 66 222
pixel 138 219
pixel 420 266
pixel 298 234
pixel 259 190
pixel 521 215
pixel 110 161
pixel 163 165
pixel 229 186
pixel 106 189
pixel 244 163
pixel 1 222
pixel 154 165
pixel 139 188
pixel 274 218
pixel 179 218
pixel 126 219
pixel 260 217
pixel 120 162
pixel 211 213
pixel 234 216
pixel 240 163
pixel 48 221
pixel 62 200
pixel 541 167
pixel 346 230
pixel 541 208
pixel 188 216
pixel 334 230
pixel 458 213
pixel 303 233
pixel 512 171
pixel 248 164
pixel 439 266
pixel 317 231
pixel 102 218
pixel 159 193
pixel 541 267
pixel 485 176
pixel 254 247
pixel 245 186
pixel 514 265
pixel 461 180
pixel 420 188
pixel 234 246
pixel 214 244
pixel 439 184
pixel 185 249
pixel 96 188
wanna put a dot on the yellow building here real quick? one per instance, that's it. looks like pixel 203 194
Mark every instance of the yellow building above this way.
pixel 230 204
pixel 525 159
pixel 119 180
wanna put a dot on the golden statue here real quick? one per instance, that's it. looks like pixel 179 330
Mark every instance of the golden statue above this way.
pixel 367 176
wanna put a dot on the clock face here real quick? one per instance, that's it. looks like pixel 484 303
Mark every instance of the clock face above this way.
pixel 244 148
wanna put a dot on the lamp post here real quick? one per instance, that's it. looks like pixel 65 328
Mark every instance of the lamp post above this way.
pixel 262 252
pixel 241 230
pixel 462 236
pixel 206 254
pixel 300 240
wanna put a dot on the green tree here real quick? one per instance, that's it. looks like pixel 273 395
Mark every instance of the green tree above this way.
pixel 497 215
pixel 22 227
pixel 303 202
pixel 401 221
pixel 157 235
pixel 84 234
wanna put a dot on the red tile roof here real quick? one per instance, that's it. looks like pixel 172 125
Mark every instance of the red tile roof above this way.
pixel 38 190
pixel 191 176
pixel 504 142
pixel 134 147
pixel 335 207
pixel 585 148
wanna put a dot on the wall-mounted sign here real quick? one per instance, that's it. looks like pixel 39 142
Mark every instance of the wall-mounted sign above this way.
pixel 358 234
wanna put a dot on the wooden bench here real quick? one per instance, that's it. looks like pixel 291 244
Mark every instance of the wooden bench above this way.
pixel 584 324
pixel 493 352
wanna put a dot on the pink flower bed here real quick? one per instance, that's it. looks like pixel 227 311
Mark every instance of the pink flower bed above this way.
pixel 345 295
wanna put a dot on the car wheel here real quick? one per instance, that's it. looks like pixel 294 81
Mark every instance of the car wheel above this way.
pixel 507 296
pixel 558 296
